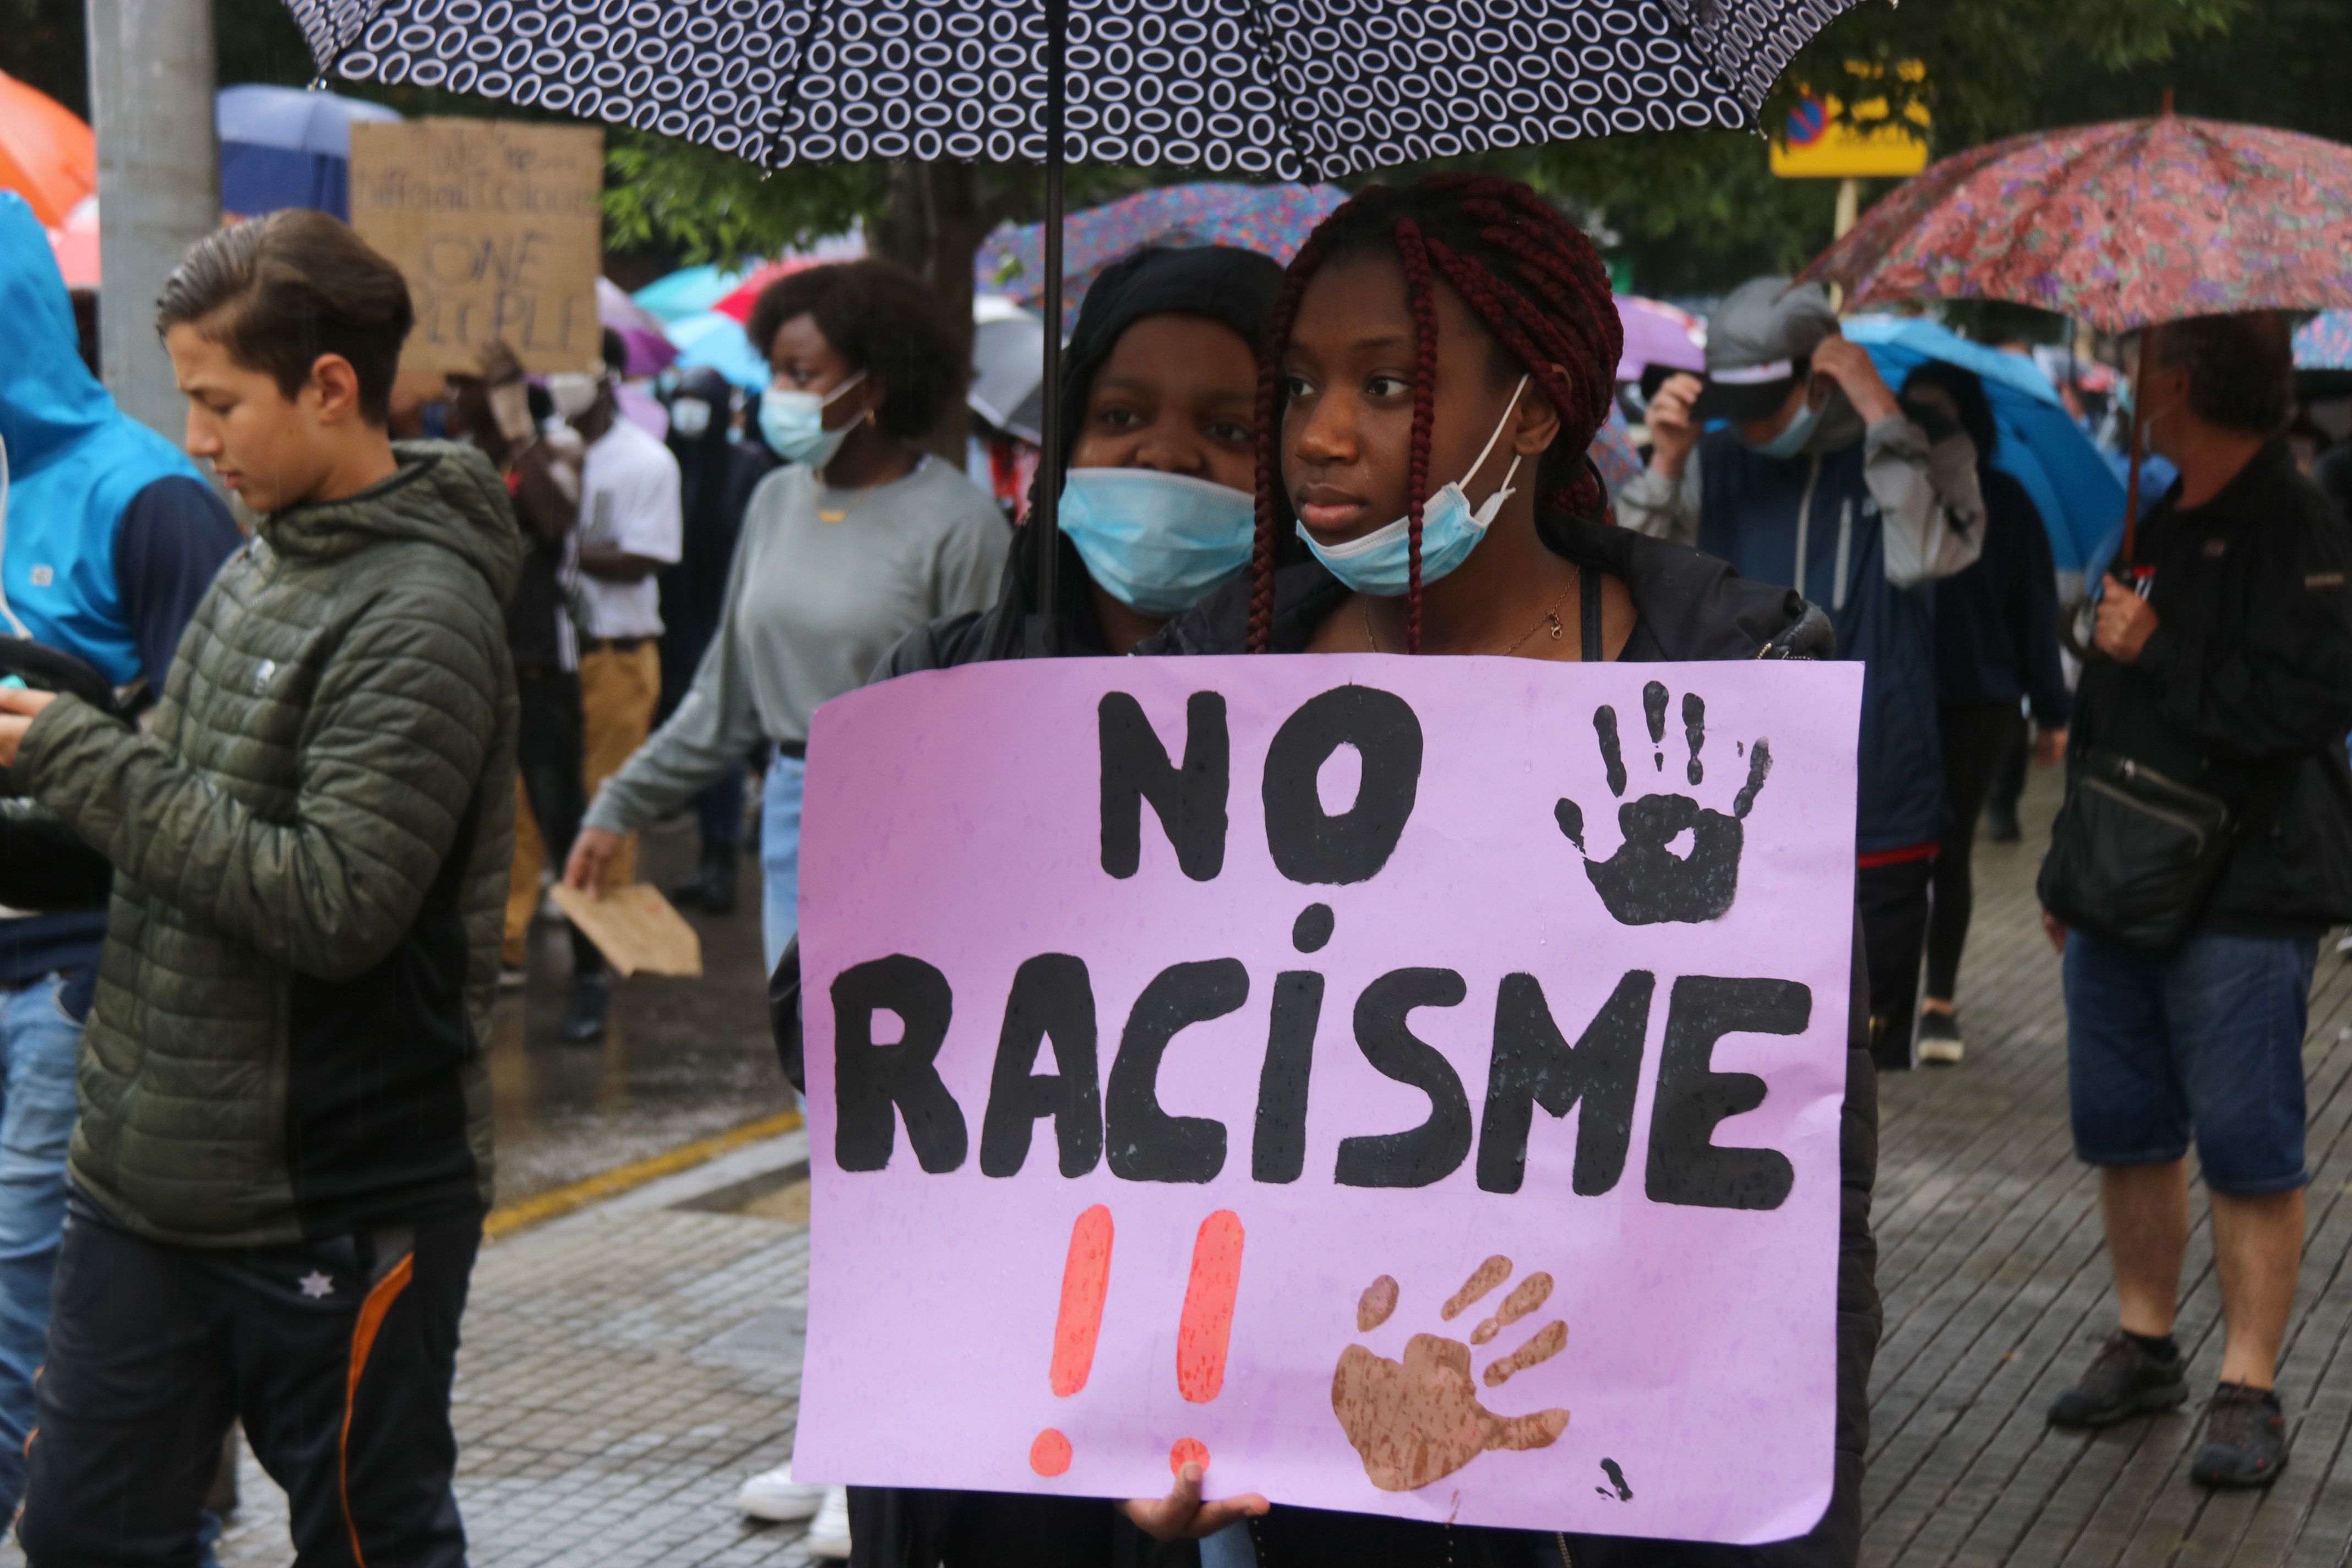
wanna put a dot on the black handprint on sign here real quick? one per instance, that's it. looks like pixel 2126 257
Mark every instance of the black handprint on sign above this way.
pixel 1680 861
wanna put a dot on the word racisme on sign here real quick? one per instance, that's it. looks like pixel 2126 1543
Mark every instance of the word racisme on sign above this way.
pixel 1177 1031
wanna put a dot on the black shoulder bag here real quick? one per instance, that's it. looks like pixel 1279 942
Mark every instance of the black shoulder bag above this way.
pixel 2135 855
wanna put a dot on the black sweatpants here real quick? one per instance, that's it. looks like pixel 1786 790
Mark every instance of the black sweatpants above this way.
pixel 1894 905
pixel 548 741
pixel 336 1355
pixel 1977 736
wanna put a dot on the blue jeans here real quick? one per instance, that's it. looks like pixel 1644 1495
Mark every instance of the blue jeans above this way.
pixel 2207 1044
pixel 36 1120
pixel 780 853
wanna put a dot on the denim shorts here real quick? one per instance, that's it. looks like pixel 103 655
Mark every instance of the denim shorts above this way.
pixel 2206 1043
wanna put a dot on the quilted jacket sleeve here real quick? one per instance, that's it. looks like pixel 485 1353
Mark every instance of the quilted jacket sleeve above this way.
pixel 394 743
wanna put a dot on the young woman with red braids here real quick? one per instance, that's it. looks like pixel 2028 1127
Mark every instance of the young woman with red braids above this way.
pixel 1440 360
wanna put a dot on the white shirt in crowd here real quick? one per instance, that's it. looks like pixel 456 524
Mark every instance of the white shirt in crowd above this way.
pixel 628 500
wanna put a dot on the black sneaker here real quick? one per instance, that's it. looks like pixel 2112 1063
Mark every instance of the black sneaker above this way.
pixel 2002 828
pixel 583 1021
pixel 2124 1381
pixel 1940 1039
pixel 2245 1440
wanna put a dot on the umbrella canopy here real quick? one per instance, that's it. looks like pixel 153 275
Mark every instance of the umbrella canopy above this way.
pixel 1231 86
pixel 283 147
pixel 2122 225
pixel 2325 341
pixel 1272 220
pixel 2072 484
pixel 1658 333
pixel 75 245
pixel 719 343
pixel 47 154
pixel 1007 351
pixel 689 291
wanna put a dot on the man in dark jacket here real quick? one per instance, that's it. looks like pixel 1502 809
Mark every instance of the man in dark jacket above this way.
pixel 1820 482
pixel 2226 668
pixel 283 1158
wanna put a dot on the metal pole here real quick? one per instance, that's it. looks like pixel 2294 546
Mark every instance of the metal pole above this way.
pixel 150 96
pixel 1048 507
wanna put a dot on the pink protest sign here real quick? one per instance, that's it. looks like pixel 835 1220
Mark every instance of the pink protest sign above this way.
pixel 1409 1085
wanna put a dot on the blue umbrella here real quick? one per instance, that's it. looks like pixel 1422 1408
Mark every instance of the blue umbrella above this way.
pixel 283 147
pixel 689 291
pixel 719 342
pixel 2080 498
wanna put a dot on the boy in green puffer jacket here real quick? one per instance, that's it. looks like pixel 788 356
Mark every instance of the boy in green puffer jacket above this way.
pixel 283 1158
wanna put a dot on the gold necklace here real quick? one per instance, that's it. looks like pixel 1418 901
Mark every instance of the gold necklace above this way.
pixel 1364 610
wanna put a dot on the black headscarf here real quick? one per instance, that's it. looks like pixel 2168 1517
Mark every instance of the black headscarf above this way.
pixel 1233 287
pixel 1966 390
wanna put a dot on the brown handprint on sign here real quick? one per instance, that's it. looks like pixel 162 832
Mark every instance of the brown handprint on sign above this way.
pixel 1418 1420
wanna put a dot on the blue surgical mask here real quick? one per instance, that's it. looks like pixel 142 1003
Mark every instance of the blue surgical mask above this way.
pixel 1792 436
pixel 1380 563
pixel 1156 542
pixel 792 422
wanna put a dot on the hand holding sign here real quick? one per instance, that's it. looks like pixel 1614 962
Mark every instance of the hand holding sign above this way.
pixel 1650 880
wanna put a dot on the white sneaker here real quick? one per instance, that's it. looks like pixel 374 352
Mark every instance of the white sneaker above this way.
pixel 774 1495
pixel 829 1535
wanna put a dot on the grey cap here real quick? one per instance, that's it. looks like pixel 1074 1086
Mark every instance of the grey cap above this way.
pixel 1760 341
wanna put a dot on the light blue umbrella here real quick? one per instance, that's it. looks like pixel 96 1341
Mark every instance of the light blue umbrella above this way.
pixel 2077 493
pixel 689 291
pixel 719 342
pixel 283 147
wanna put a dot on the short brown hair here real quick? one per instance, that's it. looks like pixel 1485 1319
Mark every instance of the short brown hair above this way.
pixel 2241 368
pixel 881 318
pixel 280 290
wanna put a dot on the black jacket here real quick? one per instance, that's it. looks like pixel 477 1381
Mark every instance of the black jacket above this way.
pixel 1997 622
pixel 1691 606
pixel 2245 688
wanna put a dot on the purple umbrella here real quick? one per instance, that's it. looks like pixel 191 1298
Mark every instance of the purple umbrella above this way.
pixel 1658 333
pixel 1272 220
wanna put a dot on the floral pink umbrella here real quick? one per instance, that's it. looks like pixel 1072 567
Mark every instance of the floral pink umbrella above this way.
pixel 2121 225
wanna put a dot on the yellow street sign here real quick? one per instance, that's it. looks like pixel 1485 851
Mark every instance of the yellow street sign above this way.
pixel 1819 140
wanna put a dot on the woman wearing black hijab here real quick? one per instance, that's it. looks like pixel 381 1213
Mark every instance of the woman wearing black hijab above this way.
pixel 1996 641
pixel 1156 472
pixel 717 477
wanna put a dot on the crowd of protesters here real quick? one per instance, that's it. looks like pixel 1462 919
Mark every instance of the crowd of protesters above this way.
pixel 327 779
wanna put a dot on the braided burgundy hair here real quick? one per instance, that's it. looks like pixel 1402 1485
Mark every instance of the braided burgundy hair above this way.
pixel 1528 273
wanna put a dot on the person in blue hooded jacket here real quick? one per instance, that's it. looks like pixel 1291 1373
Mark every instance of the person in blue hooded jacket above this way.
pixel 107 538
pixel 1817 479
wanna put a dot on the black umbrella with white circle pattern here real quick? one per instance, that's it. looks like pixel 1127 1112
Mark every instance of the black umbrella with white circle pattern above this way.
pixel 1292 89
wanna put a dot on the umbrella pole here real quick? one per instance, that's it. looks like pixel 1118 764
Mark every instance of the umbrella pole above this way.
pixel 1046 513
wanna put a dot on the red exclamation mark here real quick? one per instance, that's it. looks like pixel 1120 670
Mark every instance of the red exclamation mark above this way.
pixel 1086 1279
pixel 1207 1325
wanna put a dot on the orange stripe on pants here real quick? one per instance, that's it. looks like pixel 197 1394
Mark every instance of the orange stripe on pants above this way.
pixel 363 1332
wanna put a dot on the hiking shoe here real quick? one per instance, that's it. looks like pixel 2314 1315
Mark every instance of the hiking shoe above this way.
pixel 1940 1039
pixel 2124 1381
pixel 2245 1440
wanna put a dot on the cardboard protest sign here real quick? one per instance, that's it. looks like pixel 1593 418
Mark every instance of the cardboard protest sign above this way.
pixel 497 228
pixel 1410 1086
pixel 636 930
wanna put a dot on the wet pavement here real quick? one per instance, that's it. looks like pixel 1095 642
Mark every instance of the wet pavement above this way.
pixel 681 1060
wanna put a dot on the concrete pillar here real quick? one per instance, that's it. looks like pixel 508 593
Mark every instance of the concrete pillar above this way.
pixel 150 96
